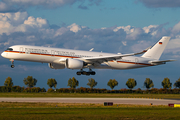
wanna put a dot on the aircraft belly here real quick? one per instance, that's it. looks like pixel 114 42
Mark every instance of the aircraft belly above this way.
pixel 116 65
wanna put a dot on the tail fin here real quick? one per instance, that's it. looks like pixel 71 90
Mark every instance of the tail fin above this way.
pixel 156 51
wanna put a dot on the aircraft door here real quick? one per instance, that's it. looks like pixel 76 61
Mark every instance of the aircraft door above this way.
pixel 21 50
pixel 27 51
pixel 52 52
pixel 136 60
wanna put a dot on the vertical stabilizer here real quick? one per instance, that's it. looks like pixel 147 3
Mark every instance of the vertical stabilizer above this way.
pixel 156 51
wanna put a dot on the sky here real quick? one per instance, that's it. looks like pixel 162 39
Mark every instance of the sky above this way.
pixel 116 26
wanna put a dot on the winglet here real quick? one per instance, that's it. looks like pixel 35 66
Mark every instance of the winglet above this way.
pixel 143 51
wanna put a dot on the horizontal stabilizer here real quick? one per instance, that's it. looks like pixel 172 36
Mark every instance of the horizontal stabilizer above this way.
pixel 160 62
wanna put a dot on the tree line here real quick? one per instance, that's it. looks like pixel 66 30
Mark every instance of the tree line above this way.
pixel 30 82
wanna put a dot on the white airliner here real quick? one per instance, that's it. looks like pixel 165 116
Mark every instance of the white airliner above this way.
pixel 58 58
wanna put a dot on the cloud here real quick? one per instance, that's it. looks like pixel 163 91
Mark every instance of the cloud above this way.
pixel 74 27
pixel 21 5
pixel 141 45
pixel 60 31
pixel 128 29
pixel 36 22
pixel 176 28
pixel 20 28
pixel 83 7
pixel 174 46
pixel 150 28
pixel 135 34
pixel 20 22
pixel 4 7
pixel 161 3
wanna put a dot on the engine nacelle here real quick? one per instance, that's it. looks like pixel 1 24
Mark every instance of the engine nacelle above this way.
pixel 56 66
pixel 74 64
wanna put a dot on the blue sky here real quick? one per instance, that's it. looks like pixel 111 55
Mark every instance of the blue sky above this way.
pixel 123 26
pixel 108 14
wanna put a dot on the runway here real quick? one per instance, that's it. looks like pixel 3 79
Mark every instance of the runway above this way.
pixel 136 101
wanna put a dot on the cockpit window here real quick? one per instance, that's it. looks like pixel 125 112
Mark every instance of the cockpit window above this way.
pixel 10 49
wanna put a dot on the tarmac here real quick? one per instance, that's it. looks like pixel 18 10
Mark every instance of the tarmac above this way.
pixel 136 101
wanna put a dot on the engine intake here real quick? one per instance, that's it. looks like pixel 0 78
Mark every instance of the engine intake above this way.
pixel 74 64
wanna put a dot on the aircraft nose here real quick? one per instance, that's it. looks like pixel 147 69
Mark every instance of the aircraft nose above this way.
pixel 2 54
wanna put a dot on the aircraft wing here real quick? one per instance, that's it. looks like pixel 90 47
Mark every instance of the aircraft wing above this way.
pixel 109 58
pixel 157 62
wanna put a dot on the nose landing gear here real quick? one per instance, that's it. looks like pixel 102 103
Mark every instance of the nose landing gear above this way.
pixel 12 63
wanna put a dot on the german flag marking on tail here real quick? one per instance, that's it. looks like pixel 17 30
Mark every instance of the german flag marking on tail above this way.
pixel 160 43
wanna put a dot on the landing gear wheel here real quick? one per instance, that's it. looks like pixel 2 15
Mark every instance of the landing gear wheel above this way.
pixel 12 63
pixel 93 73
pixel 78 73
pixel 12 66
pixel 90 72
pixel 87 73
pixel 84 72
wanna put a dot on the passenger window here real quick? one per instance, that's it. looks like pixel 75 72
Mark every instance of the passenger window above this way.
pixel 10 49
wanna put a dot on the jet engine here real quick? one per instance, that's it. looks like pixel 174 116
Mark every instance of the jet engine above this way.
pixel 56 66
pixel 74 64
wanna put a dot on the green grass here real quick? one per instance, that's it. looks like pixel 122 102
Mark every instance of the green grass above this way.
pixel 48 111
pixel 66 105
pixel 92 95
pixel 73 111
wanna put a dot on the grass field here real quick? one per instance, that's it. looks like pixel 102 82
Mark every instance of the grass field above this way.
pixel 55 111
pixel 92 95
pixel 74 111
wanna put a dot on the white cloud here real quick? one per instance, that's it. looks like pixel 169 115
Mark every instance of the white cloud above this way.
pixel 134 35
pixel 19 28
pixel 60 31
pixel 36 22
pixel 5 27
pixel 20 22
pixel 174 44
pixel 176 28
pixel 74 27
pixel 149 28
pixel 15 18
pixel 10 21
pixel 140 45
pixel 128 29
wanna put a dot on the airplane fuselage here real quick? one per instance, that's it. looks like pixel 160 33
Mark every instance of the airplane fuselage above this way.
pixel 58 56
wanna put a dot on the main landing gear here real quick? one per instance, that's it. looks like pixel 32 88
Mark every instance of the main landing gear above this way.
pixel 12 63
pixel 90 72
